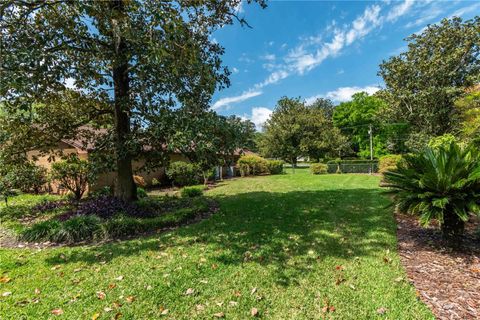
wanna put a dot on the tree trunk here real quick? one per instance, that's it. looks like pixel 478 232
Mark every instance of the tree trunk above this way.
pixel 453 228
pixel 125 188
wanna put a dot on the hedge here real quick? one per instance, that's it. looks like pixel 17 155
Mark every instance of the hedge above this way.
pixel 388 162
pixel 352 166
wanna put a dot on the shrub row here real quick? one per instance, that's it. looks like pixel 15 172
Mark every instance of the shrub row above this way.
pixel 388 163
pixel 88 228
pixel 256 165
pixel 318 168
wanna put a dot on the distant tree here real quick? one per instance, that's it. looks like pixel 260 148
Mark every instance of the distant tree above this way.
pixel 295 129
pixel 320 138
pixel 354 119
pixel 423 82
pixel 283 132
pixel 127 61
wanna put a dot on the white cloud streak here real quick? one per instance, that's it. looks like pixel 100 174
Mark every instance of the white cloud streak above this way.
pixel 400 10
pixel 235 99
pixel 343 94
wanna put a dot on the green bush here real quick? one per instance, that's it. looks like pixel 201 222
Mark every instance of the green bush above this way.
pixel 318 168
pixel 191 192
pixel 275 166
pixel 102 192
pixel 76 229
pixel 73 174
pixel 442 141
pixel 388 162
pixel 252 165
pixel 41 231
pixel 439 183
pixel 29 177
pixel 141 193
pixel 183 173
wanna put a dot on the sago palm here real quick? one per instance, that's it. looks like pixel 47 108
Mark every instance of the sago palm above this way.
pixel 439 183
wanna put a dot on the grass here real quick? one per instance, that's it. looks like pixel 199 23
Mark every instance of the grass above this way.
pixel 289 245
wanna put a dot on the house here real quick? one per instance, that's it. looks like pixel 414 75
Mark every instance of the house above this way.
pixel 82 148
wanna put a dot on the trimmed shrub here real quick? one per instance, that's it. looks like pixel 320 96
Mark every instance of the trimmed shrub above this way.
pixel 139 181
pixel 252 165
pixel 183 173
pixel 192 192
pixel 318 168
pixel 275 166
pixel 73 174
pixel 388 162
pixel 141 193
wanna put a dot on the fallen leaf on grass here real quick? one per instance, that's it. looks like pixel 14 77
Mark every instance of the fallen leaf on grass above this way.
pixel 130 299
pixel 6 294
pixel 118 316
pixel 119 278
pixel 56 267
pixel 95 316
pixel 381 310
pixel 399 279
pixel 101 295
pixel 77 270
pixel 233 303
pixel 219 315
pixel 189 291
pixel 253 291
pixel 111 285
pixel 107 309
pixel 5 279
pixel 37 291
pixel 237 294
pixel 200 307
pixel 254 312
pixel 339 267
pixel 164 312
pixel 57 312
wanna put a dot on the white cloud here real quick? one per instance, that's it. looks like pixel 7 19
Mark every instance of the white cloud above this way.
pixel 364 24
pixel 399 10
pixel 235 99
pixel 235 70
pixel 345 93
pixel 259 116
pixel 274 77
pixel 269 57
pixel 426 17
pixel 462 11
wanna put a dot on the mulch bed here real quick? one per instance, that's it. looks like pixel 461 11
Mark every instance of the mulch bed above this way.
pixel 447 280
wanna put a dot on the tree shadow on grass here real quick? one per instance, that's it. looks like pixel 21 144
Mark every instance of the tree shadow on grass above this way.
pixel 286 231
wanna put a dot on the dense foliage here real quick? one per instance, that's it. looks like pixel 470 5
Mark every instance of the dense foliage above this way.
pixel 318 168
pixel 296 129
pixel 275 166
pixel 439 183
pixel 252 165
pixel 73 174
pixel 183 173
pixel 388 162
pixel 119 64
pixel 423 83
pixel 191 192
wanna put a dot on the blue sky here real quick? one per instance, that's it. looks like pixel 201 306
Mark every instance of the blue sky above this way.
pixel 318 49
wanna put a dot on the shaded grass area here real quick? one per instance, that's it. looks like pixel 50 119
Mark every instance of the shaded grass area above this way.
pixel 289 245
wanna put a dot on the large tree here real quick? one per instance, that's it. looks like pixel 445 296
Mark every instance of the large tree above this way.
pixel 119 64
pixel 423 82
pixel 296 129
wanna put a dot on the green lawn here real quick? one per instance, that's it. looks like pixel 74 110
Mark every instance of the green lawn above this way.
pixel 288 245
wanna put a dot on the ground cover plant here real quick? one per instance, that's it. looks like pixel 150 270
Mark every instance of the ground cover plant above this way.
pixel 291 246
